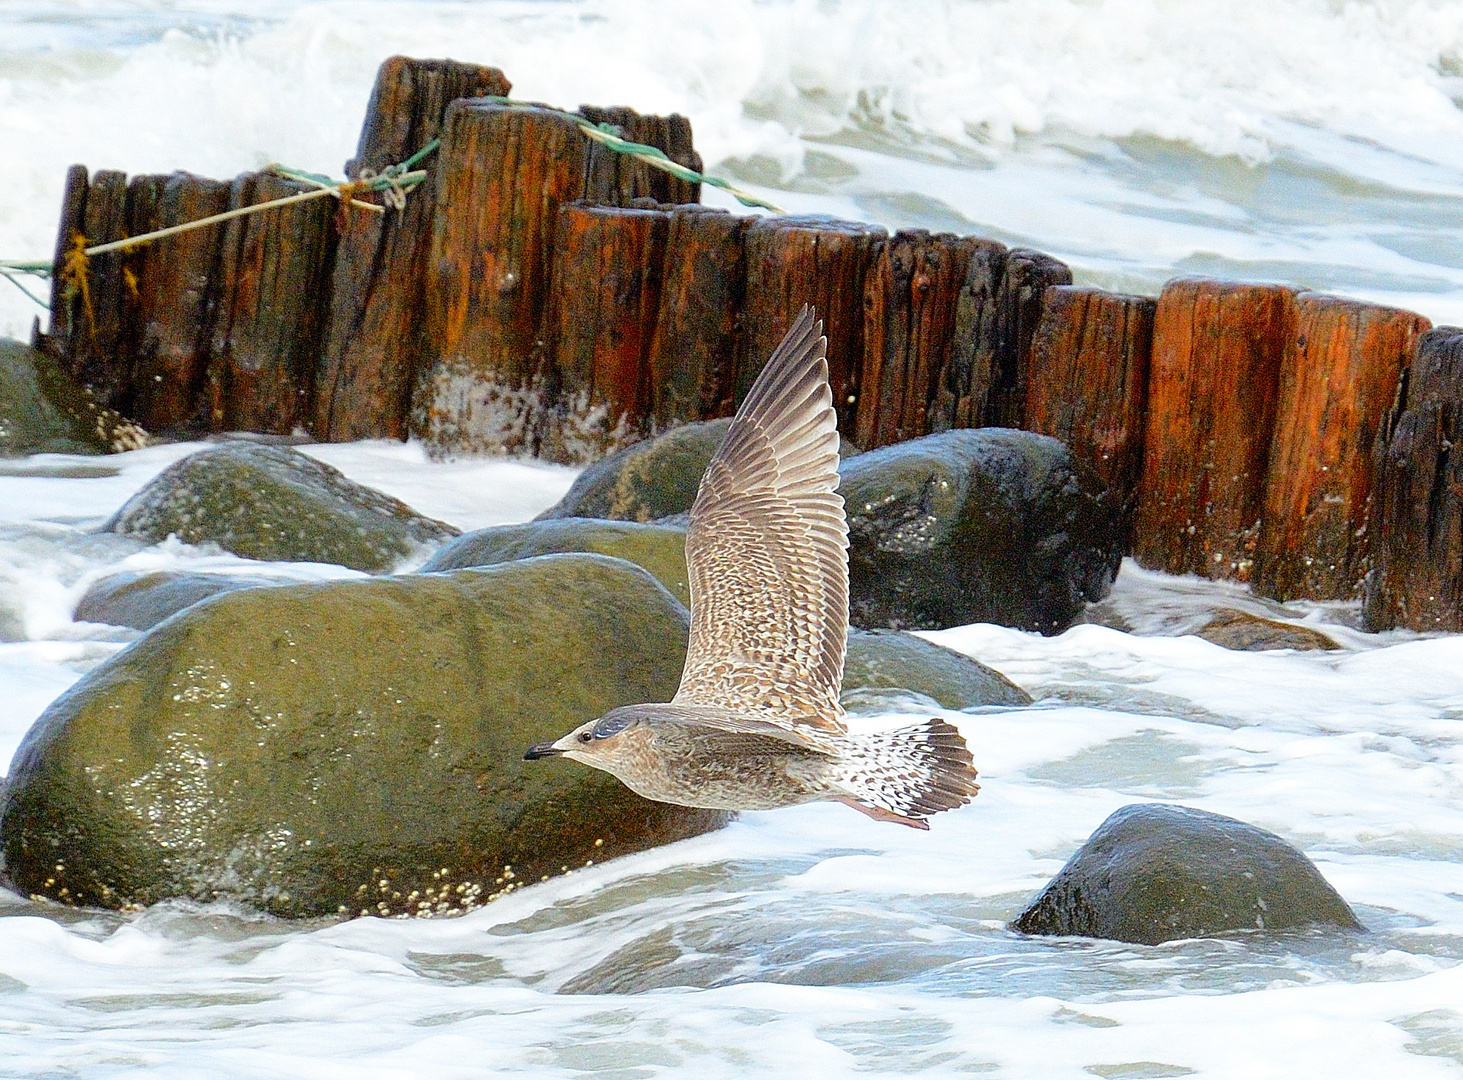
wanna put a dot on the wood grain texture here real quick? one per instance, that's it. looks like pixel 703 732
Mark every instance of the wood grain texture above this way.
pixel 1417 517
pixel 694 352
pixel 608 263
pixel 270 306
pixel 1339 380
pixel 911 301
pixel 792 261
pixel 375 343
pixel 1213 384
pixel 1088 380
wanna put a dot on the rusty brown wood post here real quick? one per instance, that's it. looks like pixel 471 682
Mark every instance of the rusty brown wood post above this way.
pixel 176 293
pixel 1417 517
pixel 375 341
pixel 792 261
pixel 502 173
pixel 607 282
pixel 1218 349
pixel 694 351
pixel 1335 388
pixel 911 302
pixel 1088 380
pixel 272 298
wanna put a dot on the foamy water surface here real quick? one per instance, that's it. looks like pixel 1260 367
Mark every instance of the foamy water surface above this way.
pixel 1311 142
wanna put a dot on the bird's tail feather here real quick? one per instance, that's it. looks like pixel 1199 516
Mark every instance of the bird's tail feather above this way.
pixel 907 774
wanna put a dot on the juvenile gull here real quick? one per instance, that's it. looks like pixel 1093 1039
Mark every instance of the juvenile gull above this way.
pixel 756 722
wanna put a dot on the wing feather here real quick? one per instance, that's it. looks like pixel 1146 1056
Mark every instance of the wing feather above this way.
pixel 767 550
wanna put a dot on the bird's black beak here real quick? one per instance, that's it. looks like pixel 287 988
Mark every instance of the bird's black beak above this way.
pixel 541 750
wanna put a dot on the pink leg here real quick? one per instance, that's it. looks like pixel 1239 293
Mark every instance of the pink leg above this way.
pixel 878 813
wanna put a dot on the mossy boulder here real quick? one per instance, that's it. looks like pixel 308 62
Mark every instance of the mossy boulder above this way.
pixel 43 411
pixel 1153 872
pixel 350 746
pixel 661 549
pixel 141 601
pixel 985 525
pixel 274 503
pixel 885 669
pixel 651 480
pixel 1240 630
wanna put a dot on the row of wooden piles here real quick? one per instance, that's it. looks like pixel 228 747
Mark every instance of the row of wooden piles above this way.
pixel 542 294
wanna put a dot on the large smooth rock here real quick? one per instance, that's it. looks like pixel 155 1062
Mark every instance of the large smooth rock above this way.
pixel 984 525
pixel 661 549
pixel 276 504
pixel 351 746
pixel 141 601
pixel 1153 873
pixel 43 411
pixel 886 667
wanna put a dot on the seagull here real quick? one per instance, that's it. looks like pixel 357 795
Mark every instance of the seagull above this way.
pixel 756 723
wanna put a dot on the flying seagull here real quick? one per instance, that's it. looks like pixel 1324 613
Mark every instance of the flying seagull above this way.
pixel 756 723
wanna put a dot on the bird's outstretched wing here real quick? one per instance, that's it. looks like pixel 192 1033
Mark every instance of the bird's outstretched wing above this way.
pixel 767 550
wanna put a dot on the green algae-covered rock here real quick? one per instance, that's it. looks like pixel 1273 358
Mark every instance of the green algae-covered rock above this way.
pixel 141 601
pixel 661 549
pixel 276 504
pixel 651 479
pixel 43 411
pixel 1153 873
pixel 985 525
pixel 884 667
pixel 353 745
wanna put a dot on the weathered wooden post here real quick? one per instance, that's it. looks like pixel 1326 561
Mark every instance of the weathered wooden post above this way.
pixel 607 283
pixel 963 381
pixel 1335 387
pixel 503 173
pixel 1417 518
pixel 911 299
pixel 375 343
pixel 612 179
pixel 1218 348
pixel 176 279
pixel 1088 380
pixel 792 261
pixel 269 309
pixel 694 352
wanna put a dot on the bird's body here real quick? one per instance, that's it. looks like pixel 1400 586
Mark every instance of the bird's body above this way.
pixel 756 723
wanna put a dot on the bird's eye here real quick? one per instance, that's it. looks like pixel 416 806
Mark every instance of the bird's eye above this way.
pixel 585 737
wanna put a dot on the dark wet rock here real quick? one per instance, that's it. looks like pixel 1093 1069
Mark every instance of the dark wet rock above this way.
pixel 1153 873
pixel 985 525
pixel 660 549
pixel 885 667
pixel 351 745
pixel 43 411
pixel 1235 629
pixel 141 601
pixel 650 480
pixel 276 504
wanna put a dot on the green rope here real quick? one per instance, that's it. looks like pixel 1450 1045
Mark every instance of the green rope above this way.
pixel 393 182
pixel 610 136
pixel 13 272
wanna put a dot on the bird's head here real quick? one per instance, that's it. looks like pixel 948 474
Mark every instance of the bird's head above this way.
pixel 601 743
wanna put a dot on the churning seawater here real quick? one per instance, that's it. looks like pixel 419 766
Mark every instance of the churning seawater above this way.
pixel 1319 143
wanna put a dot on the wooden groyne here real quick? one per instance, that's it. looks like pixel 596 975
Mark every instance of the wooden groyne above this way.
pixel 539 293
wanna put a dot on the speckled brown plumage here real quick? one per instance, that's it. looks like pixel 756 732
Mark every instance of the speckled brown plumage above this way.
pixel 756 722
